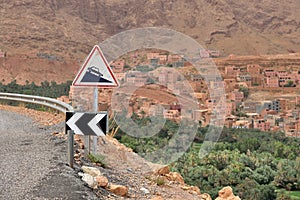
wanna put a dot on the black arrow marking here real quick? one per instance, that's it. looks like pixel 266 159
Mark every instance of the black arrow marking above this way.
pixel 82 124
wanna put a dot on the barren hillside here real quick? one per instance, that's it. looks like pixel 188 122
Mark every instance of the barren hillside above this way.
pixel 71 28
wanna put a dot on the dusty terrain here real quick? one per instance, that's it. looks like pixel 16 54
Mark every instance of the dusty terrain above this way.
pixel 49 40
pixel 43 118
pixel 30 68
pixel 71 28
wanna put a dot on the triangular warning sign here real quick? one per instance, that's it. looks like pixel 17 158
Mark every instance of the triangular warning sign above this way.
pixel 95 71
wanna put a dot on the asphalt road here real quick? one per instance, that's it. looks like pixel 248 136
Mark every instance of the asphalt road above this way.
pixel 33 163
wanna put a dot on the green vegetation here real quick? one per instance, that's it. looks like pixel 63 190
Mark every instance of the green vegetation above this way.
pixel 257 165
pixel 143 68
pixel 46 88
pixel 148 144
pixel 289 84
pixel 282 195
pixel 98 159
pixel 245 90
pixel 254 163
pixel 295 195
pixel 159 181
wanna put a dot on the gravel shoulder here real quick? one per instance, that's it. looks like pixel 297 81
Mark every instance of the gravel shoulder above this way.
pixel 33 162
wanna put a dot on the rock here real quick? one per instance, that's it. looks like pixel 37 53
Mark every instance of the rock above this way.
pixel 81 145
pixel 78 162
pixel 77 156
pixel 102 181
pixel 163 171
pixel 205 196
pixel 119 145
pixel 186 187
pixel 196 189
pixel 175 176
pixel 146 191
pixel 193 189
pixel 55 133
pixel 91 171
pixel 80 174
pixel 157 198
pixel 90 180
pixel 77 138
pixel 119 190
pixel 227 194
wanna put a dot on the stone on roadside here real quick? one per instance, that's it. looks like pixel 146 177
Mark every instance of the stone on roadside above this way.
pixel 205 196
pixel 192 189
pixel 90 180
pixel 227 194
pixel 91 171
pixel 119 190
pixel 157 198
pixel 176 177
pixel 102 181
pixel 55 133
pixel 81 145
pixel 144 190
pixel 77 138
pixel 77 156
pixel 80 174
pixel 163 171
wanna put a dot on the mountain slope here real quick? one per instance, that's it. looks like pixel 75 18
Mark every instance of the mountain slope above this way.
pixel 71 28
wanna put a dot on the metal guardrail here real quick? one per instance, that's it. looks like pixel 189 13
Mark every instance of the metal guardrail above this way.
pixel 45 101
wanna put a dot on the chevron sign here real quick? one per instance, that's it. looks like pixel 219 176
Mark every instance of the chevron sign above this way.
pixel 94 124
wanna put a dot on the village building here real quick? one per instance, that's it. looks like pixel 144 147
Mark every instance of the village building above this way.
pixel 136 78
pixel 231 71
pixel 271 81
pixel 270 73
pixel 118 66
pixel 253 69
pixel 262 125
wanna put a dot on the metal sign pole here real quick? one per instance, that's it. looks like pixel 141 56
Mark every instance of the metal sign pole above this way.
pixel 96 111
pixel 87 145
pixel 71 148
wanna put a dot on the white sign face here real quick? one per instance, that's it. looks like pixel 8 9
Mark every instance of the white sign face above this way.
pixel 95 71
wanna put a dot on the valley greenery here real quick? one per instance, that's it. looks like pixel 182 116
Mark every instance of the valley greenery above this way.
pixel 45 89
pixel 257 165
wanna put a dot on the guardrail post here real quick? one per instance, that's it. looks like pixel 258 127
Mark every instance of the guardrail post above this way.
pixel 71 148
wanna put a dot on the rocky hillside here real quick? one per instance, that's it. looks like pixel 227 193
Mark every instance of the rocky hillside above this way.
pixel 71 28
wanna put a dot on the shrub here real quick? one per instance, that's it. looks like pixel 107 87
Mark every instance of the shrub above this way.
pixel 97 158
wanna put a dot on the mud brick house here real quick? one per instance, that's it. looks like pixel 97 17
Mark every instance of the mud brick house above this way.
pixel 271 81
pixel 262 125
pixel 231 71
pixel 254 69
pixel 270 73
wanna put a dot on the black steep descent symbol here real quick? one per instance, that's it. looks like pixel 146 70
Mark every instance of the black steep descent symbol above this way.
pixel 94 75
